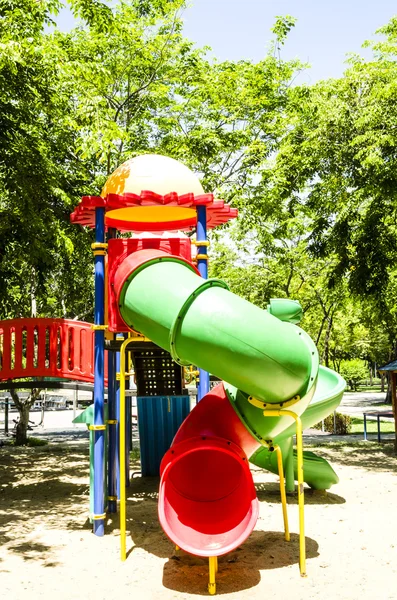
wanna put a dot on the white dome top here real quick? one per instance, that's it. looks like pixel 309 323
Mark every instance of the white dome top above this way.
pixel 155 173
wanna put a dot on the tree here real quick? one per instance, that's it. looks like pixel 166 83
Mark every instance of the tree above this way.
pixel 227 120
pixel 40 176
pixel 23 406
pixel 353 371
pixel 338 160
pixel 74 105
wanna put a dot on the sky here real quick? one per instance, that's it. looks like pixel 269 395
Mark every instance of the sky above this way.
pixel 324 34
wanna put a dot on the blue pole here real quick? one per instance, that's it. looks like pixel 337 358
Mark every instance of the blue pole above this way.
pixel 202 265
pixel 112 429
pixel 99 376
pixel 112 457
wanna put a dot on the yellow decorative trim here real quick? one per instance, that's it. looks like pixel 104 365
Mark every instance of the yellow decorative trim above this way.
pixel 99 246
pixel 112 421
pixel 125 375
pixel 99 327
pixel 268 405
pixel 201 256
pixel 99 252
pixel 140 338
pixel 98 517
pixel 97 427
pixel 112 498
pixel 202 243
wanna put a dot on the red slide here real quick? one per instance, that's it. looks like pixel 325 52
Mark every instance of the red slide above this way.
pixel 207 500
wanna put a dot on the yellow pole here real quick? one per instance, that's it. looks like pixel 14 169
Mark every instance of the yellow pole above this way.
pixel 123 553
pixel 282 491
pixel 301 500
pixel 213 568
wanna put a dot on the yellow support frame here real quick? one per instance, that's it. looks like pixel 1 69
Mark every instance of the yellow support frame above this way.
pixel 275 448
pixel 123 520
pixel 213 567
pixel 301 500
pixel 282 491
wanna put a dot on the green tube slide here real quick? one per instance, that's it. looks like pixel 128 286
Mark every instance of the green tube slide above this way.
pixel 264 359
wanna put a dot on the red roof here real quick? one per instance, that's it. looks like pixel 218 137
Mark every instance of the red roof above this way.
pixel 217 211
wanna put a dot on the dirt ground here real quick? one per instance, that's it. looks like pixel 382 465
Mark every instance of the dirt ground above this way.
pixel 48 550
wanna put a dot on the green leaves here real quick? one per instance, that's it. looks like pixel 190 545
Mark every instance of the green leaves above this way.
pixel 282 27
pixel 40 177
pixel 96 14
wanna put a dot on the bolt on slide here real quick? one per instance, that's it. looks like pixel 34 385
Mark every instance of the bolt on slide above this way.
pixel 207 501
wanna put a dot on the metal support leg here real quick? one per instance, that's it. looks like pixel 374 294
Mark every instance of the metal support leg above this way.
pixel 75 402
pixel 299 450
pixel 289 468
pixel 301 498
pixel 213 562
pixel 122 433
pixel 365 427
pixel 112 435
pixel 282 491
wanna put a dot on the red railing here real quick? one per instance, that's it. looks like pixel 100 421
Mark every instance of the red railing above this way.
pixel 58 348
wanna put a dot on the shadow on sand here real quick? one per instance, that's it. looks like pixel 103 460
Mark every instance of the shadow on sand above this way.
pixel 371 456
pixel 239 570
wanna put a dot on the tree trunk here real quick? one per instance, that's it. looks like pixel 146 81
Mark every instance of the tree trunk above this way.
pixel 21 437
pixel 23 406
pixel 382 382
pixel 388 399
pixel 326 342
pixel 33 301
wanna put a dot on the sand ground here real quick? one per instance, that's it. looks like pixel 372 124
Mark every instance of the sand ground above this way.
pixel 48 550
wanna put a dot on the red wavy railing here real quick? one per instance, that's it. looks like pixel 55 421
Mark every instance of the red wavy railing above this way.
pixel 58 348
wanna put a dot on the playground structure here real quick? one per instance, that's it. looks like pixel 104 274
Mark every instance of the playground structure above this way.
pixel 152 296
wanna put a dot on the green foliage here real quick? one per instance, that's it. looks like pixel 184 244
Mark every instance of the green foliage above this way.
pixel 282 27
pixel 372 425
pixel 353 371
pixel 32 442
pixel 339 157
pixel 73 106
pixel 340 425
pixel 311 169
pixel 323 212
pixel 40 176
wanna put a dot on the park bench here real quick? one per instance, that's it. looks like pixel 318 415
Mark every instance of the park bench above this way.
pixel 378 415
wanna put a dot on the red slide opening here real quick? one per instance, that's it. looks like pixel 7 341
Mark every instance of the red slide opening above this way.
pixel 207 502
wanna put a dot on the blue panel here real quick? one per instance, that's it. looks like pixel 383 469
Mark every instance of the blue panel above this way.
pixel 159 418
